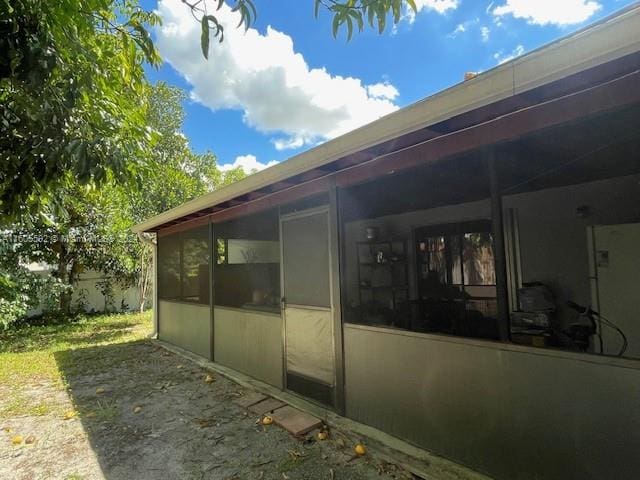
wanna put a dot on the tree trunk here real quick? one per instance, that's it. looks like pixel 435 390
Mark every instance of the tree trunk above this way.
pixel 146 268
pixel 64 302
pixel 68 271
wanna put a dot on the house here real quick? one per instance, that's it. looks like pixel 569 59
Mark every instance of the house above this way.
pixel 423 274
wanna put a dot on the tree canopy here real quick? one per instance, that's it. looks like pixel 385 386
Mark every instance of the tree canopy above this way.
pixel 72 103
pixel 347 14
pixel 92 228
pixel 71 81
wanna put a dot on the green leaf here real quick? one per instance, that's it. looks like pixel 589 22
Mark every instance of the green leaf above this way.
pixel 395 6
pixel 371 14
pixel 336 25
pixel 316 8
pixel 382 18
pixel 253 10
pixel 204 37
pixel 357 16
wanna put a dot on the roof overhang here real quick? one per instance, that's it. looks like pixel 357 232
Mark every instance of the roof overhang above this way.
pixel 592 70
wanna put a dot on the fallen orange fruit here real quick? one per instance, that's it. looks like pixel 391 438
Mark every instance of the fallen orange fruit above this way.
pixel 267 420
pixel 360 450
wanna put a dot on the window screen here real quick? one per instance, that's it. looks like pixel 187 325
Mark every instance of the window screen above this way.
pixel 169 270
pixel 183 266
pixel 195 265
pixel 306 260
pixel 247 270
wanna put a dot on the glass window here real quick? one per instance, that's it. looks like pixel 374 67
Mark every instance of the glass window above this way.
pixel 456 284
pixel 445 283
pixel 183 266
pixel 247 272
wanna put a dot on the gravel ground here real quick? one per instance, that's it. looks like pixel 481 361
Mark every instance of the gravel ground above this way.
pixel 137 411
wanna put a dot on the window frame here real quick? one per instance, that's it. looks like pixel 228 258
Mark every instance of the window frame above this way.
pixel 181 237
pixel 449 231
pixel 247 228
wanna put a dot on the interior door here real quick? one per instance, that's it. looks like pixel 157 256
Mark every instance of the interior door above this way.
pixel 307 305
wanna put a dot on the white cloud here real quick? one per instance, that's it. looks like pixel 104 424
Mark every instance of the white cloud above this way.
pixel 485 33
pixel 544 12
pixel 249 163
pixel 460 28
pixel 383 90
pixel 439 6
pixel 501 57
pixel 265 78
pixel 288 143
pixel 464 27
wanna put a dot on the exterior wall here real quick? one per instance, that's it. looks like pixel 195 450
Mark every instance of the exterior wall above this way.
pixel 553 239
pixel 186 325
pixel 513 412
pixel 250 342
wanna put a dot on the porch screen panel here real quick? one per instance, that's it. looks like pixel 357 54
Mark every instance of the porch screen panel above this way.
pixel 247 272
pixel 195 265
pixel 183 266
pixel 307 260
pixel 169 267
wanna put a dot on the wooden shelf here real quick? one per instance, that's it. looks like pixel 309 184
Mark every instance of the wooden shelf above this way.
pixel 393 271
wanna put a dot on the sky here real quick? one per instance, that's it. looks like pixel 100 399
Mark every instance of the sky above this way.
pixel 286 84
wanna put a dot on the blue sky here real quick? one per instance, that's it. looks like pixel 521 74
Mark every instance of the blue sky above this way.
pixel 287 85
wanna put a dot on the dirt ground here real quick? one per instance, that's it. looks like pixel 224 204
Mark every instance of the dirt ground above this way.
pixel 136 411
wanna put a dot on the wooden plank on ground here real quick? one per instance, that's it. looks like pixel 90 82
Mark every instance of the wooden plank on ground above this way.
pixel 249 398
pixel 295 421
pixel 266 406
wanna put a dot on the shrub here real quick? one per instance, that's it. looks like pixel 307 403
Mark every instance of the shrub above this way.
pixel 18 294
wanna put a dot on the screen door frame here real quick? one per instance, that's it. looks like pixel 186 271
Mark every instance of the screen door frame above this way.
pixel 337 387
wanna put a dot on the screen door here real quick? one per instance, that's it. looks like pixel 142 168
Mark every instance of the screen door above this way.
pixel 307 305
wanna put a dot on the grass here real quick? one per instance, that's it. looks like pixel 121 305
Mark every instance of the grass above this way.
pixel 28 356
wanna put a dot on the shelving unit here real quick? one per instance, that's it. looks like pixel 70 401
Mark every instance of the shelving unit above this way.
pixel 383 277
